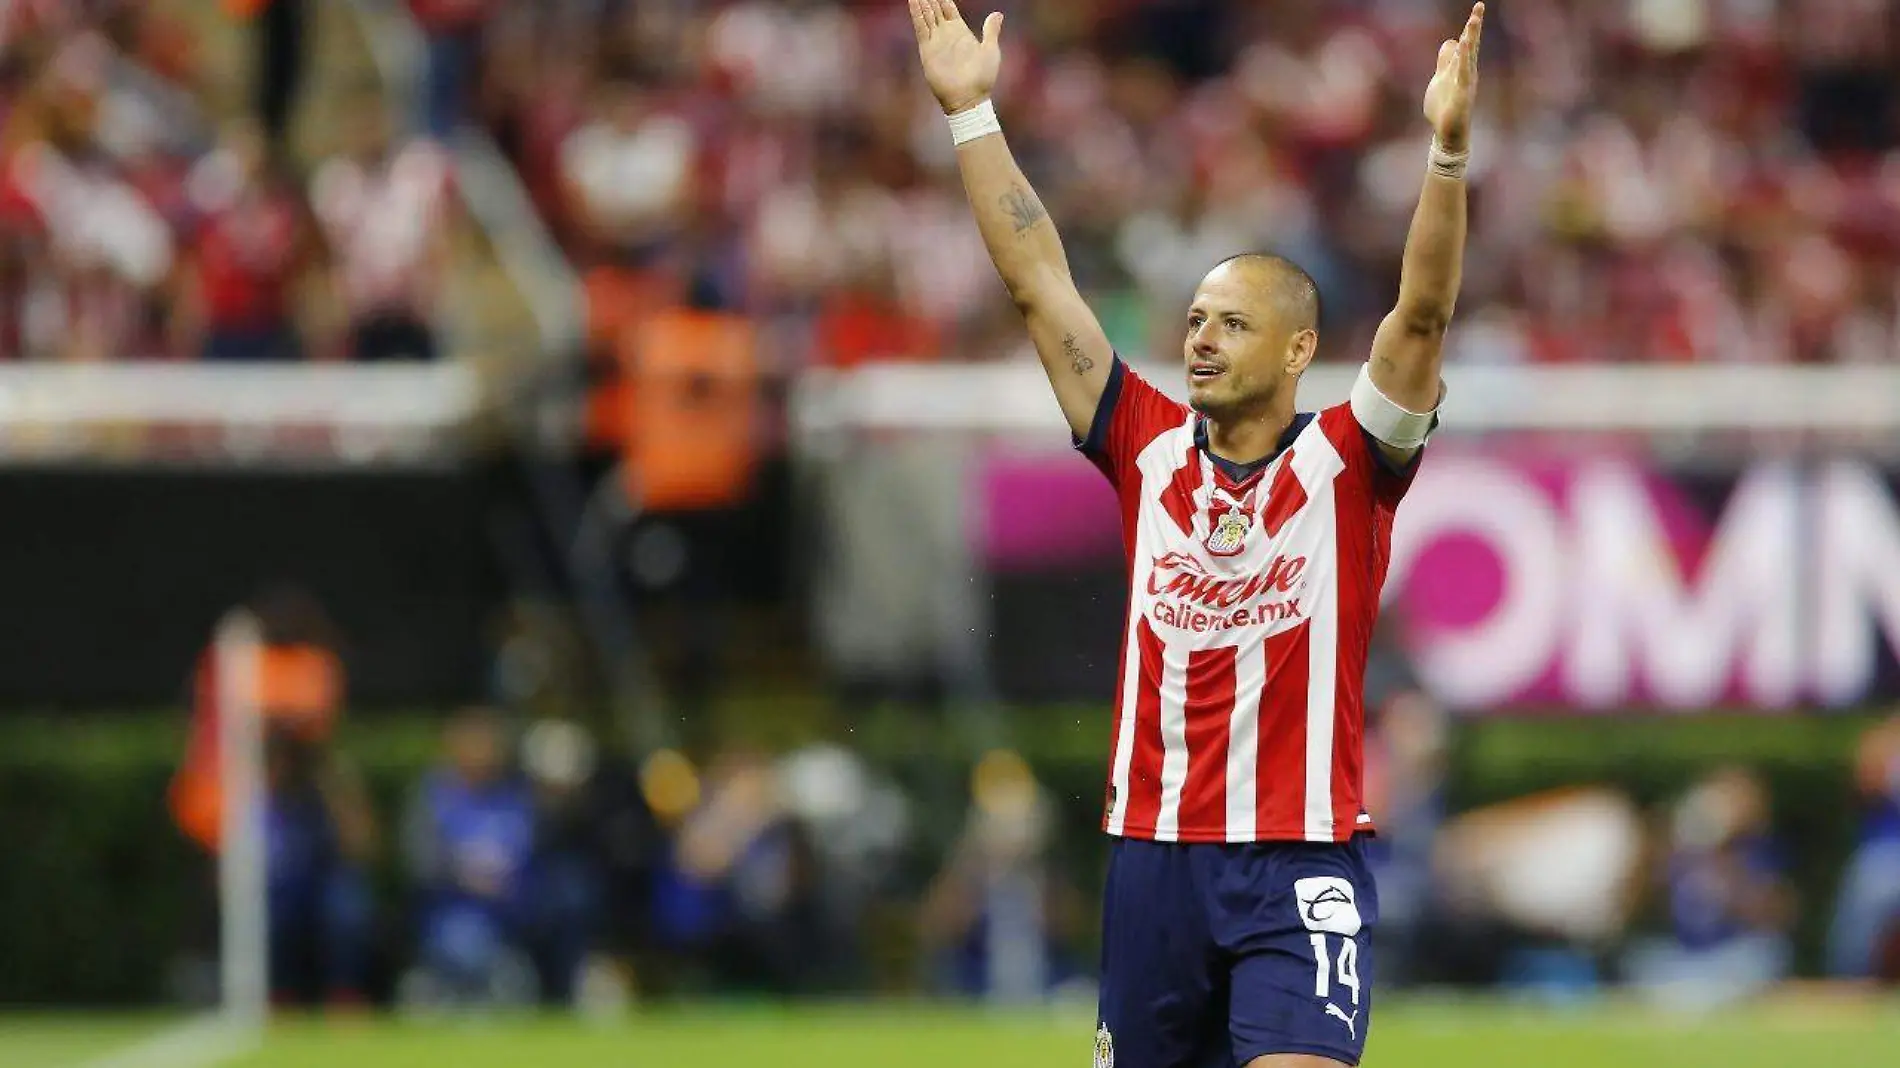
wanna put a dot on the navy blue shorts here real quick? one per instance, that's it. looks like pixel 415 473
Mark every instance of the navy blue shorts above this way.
pixel 1213 955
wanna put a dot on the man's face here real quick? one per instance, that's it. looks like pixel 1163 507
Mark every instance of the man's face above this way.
pixel 1238 345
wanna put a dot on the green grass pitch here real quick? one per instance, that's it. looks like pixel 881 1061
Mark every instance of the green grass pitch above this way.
pixel 1415 1035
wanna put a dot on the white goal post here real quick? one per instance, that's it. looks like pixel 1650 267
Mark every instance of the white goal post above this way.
pixel 244 937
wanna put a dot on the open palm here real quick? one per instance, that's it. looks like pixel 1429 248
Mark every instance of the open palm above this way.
pixel 960 69
pixel 1454 87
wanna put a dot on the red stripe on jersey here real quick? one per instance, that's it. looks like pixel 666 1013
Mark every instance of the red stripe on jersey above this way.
pixel 1280 799
pixel 1367 494
pixel 1285 499
pixel 1210 706
pixel 1348 751
pixel 1144 766
pixel 1115 735
pixel 1178 498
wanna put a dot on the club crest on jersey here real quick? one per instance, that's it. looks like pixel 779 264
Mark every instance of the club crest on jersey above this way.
pixel 1104 1047
pixel 1229 521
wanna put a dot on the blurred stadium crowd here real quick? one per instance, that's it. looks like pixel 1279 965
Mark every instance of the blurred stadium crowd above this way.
pixel 137 223
pixel 1657 180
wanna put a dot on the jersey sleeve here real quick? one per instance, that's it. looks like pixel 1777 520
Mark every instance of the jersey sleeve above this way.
pixel 1131 414
pixel 1367 465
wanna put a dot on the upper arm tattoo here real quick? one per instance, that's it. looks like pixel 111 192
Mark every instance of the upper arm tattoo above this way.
pixel 1023 208
pixel 1077 358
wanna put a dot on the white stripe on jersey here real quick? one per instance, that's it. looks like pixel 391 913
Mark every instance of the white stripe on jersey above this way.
pixel 1243 741
pixel 1125 730
pixel 1150 460
pixel 1155 463
pixel 1174 754
pixel 1316 468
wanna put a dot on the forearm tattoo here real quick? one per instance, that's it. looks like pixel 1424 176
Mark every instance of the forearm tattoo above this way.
pixel 1023 208
pixel 1077 358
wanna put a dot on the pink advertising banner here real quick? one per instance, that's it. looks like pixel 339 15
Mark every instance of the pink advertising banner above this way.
pixel 1588 580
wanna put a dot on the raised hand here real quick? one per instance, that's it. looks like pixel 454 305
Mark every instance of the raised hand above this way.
pixel 960 69
pixel 1454 87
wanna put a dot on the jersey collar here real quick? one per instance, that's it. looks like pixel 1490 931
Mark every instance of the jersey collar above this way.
pixel 1237 472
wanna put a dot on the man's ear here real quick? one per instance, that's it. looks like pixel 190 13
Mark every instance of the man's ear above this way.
pixel 1301 350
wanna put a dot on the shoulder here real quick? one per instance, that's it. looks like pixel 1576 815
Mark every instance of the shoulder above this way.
pixel 1363 457
pixel 1342 428
pixel 1146 398
pixel 1130 415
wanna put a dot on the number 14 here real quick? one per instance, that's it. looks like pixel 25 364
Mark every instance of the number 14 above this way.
pixel 1348 968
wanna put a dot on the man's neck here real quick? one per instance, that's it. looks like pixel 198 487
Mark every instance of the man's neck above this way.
pixel 1248 439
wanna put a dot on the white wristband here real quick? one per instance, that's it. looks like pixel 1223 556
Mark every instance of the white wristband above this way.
pixel 1448 164
pixel 972 123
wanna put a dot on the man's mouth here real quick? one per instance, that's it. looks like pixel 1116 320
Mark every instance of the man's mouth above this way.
pixel 1204 371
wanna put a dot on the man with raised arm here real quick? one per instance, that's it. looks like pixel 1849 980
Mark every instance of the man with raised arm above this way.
pixel 1238 906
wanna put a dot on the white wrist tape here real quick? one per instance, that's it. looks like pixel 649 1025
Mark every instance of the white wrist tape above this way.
pixel 1385 420
pixel 972 123
pixel 1449 164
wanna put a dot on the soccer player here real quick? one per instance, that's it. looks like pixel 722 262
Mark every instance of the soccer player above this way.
pixel 1238 901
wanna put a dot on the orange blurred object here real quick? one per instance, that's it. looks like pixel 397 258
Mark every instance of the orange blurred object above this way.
pixel 691 409
pixel 299 690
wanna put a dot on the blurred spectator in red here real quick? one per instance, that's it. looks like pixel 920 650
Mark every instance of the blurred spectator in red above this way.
pixel 627 181
pixel 385 210
pixel 251 246
pixel 628 174
pixel 829 247
pixel 789 57
pixel 108 251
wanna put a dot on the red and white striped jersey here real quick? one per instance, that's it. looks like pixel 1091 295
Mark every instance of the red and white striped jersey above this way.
pixel 1239 711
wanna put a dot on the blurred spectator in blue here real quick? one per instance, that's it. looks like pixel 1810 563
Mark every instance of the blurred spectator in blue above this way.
pixel 1864 940
pixel 1730 906
pixel 564 879
pixel 319 834
pixel 858 821
pixel 470 841
pixel 453 29
pixel 739 890
pixel 996 920
pixel 1405 793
